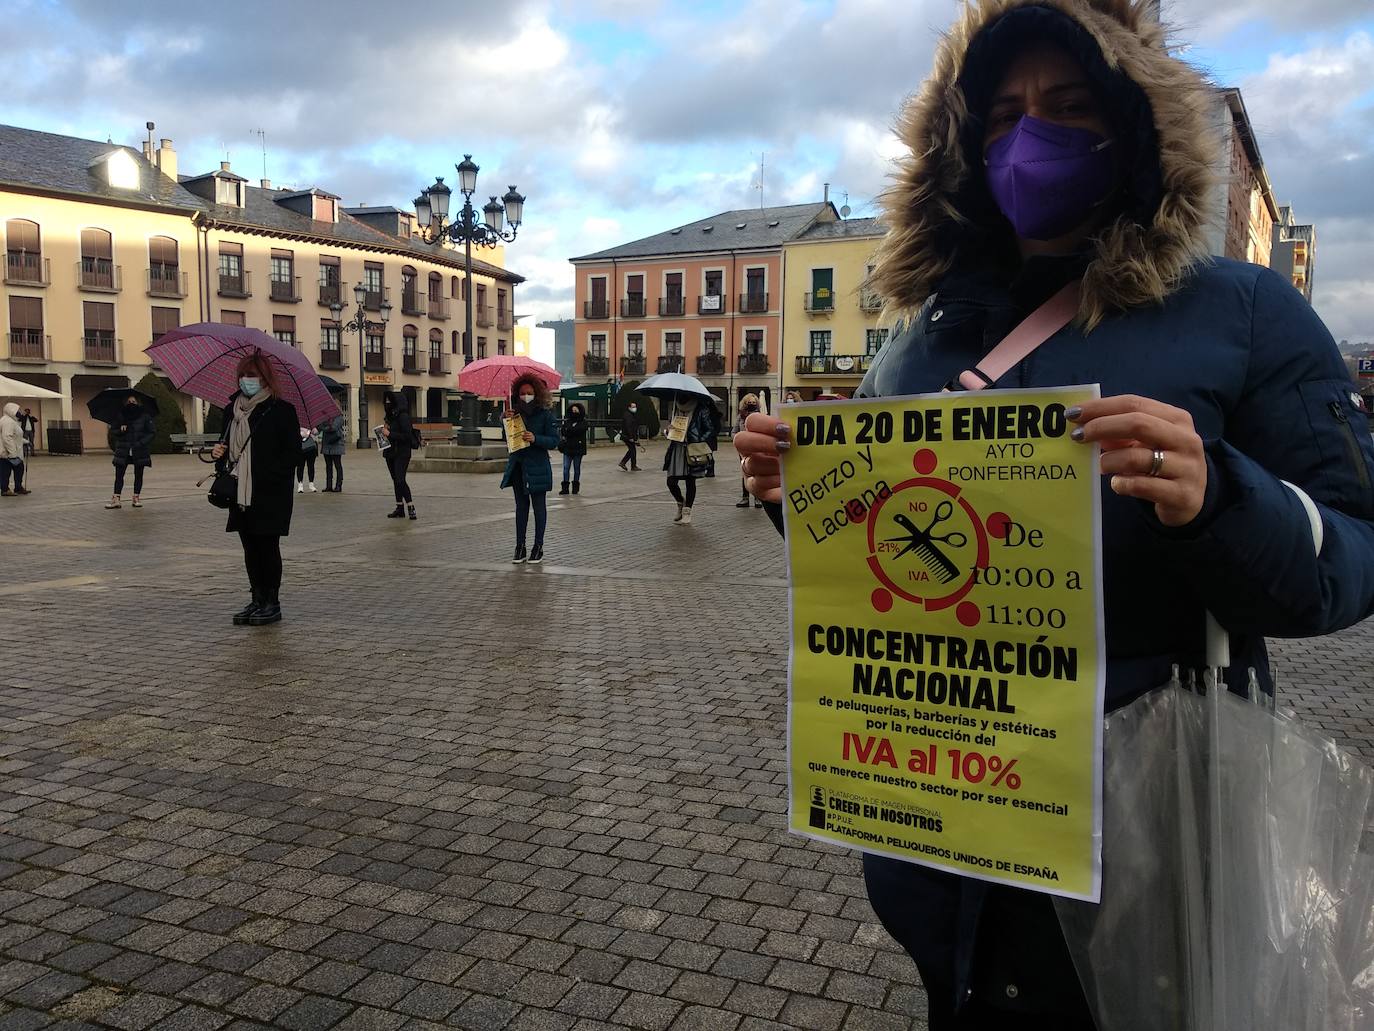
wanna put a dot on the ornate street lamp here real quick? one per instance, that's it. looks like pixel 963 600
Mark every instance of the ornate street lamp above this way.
pixel 359 322
pixel 431 211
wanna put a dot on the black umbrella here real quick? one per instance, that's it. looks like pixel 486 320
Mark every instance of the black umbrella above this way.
pixel 108 405
pixel 333 386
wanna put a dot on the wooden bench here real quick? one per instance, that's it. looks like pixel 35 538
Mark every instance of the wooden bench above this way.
pixel 191 442
pixel 430 432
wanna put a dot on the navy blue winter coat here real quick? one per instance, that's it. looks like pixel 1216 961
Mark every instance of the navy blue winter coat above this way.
pixel 530 465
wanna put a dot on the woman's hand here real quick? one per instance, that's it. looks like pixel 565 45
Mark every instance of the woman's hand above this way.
pixel 763 439
pixel 1131 429
pixel 218 451
pixel 386 432
pixel 527 437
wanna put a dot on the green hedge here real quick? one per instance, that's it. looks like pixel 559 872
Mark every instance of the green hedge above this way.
pixel 648 411
pixel 169 419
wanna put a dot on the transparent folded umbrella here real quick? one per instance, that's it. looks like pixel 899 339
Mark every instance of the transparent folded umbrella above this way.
pixel 1235 896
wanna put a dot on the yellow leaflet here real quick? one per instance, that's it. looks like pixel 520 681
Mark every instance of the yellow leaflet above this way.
pixel 947 673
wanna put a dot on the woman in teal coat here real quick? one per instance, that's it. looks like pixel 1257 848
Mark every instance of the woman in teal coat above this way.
pixel 528 472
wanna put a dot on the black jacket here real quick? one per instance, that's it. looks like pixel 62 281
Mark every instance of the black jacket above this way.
pixel 132 446
pixel 275 445
pixel 398 420
pixel 629 426
pixel 572 437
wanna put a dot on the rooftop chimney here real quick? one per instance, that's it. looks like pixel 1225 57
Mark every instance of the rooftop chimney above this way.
pixel 167 159
pixel 266 184
pixel 148 151
pixel 827 193
pixel 224 166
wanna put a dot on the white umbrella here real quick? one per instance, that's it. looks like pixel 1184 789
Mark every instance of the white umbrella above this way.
pixel 16 388
pixel 667 384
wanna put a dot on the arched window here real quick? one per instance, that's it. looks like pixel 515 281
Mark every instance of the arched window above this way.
pixel 436 351
pixel 410 297
pixel 23 252
pixel 410 335
pixel 436 286
pixel 164 278
pixel 453 287
pixel 97 259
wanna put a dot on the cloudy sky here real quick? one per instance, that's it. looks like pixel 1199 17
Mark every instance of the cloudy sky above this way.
pixel 619 119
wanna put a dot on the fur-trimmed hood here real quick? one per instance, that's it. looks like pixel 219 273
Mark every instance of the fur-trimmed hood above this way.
pixel 936 207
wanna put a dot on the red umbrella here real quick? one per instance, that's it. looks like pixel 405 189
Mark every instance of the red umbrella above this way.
pixel 202 360
pixel 493 377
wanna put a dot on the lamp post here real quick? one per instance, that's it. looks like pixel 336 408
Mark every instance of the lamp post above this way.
pixel 359 322
pixel 431 211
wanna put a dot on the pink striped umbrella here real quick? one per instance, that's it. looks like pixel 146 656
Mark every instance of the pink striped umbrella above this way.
pixel 202 360
pixel 493 377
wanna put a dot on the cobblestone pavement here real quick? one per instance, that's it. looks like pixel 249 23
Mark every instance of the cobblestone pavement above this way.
pixel 447 790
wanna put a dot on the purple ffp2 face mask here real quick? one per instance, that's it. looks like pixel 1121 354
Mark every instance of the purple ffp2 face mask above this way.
pixel 1047 178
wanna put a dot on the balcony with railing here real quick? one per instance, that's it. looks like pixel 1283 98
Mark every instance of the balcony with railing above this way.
pixel 100 349
pixel 374 296
pixel 377 360
pixel 672 363
pixel 505 321
pixel 481 315
pixel 440 308
pixel 870 300
pixel 753 364
pixel 753 304
pixel 25 269
pixel 235 284
pixel 833 364
pixel 595 364
pixel 410 361
pixel 331 293
pixel 596 309
pixel 672 306
pixel 819 303
pixel 412 302
pixel 167 281
pixel 632 365
pixel 29 345
pixel 333 354
pixel 711 363
pixel 632 307
pixel 711 304
pixel 286 289
pixel 99 274
pixel 438 365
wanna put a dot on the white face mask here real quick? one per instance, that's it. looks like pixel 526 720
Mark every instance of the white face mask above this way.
pixel 526 399
pixel 633 409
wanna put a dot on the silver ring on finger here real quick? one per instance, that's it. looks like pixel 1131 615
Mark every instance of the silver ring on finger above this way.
pixel 1157 463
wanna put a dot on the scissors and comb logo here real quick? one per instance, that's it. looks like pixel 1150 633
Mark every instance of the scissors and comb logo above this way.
pixel 925 543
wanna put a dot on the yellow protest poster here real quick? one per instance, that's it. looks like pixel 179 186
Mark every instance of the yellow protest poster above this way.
pixel 682 417
pixel 515 432
pixel 947 663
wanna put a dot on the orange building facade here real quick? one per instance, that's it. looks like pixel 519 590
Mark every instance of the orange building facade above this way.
pixel 705 299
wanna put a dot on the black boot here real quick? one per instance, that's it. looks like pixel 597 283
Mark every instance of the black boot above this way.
pixel 398 512
pixel 411 509
pixel 519 553
pixel 269 613
pixel 564 488
pixel 537 554
pixel 577 486
pixel 242 615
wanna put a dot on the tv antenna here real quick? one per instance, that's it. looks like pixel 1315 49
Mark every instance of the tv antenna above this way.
pixel 846 209
pixel 758 183
pixel 261 134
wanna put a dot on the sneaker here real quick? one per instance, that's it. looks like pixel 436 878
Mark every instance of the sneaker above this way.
pixel 411 510
pixel 537 555
pixel 136 502
pixel 113 502
pixel 23 490
pixel 519 553
pixel 686 519
pixel 758 503
pixel 300 488
pixel 396 513
pixel 742 502
pixel 314 489
pixel 678 518
pixel 10 494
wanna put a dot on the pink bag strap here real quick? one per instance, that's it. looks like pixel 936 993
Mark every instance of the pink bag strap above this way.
pixel 1034 330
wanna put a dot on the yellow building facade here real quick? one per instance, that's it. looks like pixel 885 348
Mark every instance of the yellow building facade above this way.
pixel 107 248
pixel 831 326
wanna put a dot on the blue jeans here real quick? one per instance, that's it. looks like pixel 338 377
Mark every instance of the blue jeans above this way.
pixel 573 462
pixel 523 499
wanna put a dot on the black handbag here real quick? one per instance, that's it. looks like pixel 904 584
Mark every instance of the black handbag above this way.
pixel 224 484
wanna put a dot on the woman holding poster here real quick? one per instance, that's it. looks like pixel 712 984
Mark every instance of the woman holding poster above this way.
pixel 1059 150
pixel 692 428
pixel 529 474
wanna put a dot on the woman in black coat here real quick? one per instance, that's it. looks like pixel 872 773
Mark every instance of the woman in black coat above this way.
pixel 572 441
pixel 263 437
pixel 133 440
pixel 398 430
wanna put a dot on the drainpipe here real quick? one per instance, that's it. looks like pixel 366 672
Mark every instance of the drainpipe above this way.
pixel 611 300
pixel 734 358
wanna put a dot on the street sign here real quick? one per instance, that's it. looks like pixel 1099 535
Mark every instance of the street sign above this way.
pixel 1365 366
